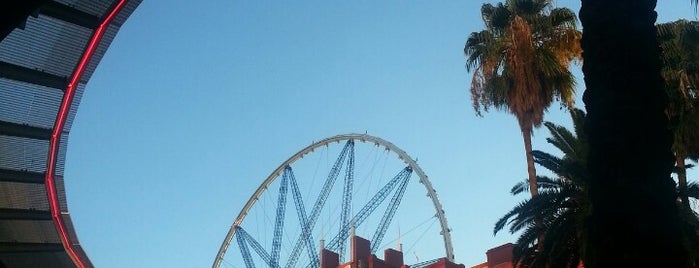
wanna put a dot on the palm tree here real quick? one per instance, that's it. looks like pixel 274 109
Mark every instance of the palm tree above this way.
pixel 633 219
pixel 680 43
pixel 559 205
pixel 690 220
pixel 563 204
pixel 520 63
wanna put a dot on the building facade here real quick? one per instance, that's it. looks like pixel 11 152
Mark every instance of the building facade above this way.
pixel 361 257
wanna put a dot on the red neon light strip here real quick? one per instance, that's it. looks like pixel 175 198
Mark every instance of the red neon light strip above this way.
pixel 58 129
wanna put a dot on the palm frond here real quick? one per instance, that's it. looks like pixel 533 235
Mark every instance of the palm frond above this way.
pixel 528 8
pixel 562 139
pixel 525 212
pixel 563 17
pixel 560 244
pixel 543 205
pixel 693 190
pixel 679 41
pixel 520 60
pixel 477 48
pixel 543 182
pixel 495 17
pixel 524 250
pixel 500 223
pixel 558 207
pixel 548 161
pixel 578 117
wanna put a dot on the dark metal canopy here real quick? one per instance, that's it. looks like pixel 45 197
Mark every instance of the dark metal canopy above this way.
pixel 48 51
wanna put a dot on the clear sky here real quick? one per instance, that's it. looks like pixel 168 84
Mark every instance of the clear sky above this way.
pixel 196 102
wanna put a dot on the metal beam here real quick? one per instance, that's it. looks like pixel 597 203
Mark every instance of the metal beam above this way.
pixel 347 199
pixel 369 207
pixel 303 218
pixel 69 14
pixel 28 75
pixel 23 176
pixel 245 252
pixel 388 215
pixel 13 247
pixel 255 245
pixel 279 222
pixel 24 131
pixel 24 214
pixel 319 204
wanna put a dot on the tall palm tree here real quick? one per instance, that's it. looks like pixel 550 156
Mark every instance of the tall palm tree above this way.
pixel 563 204
pixel 680 43
pixel 520 63
pixel 560 204
pixel 633 218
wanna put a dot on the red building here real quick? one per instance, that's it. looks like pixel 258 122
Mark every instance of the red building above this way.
pixel 501 257
pixel 498 257
pixel 361 257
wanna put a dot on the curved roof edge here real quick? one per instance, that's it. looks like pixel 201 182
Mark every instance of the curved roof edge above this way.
pixel 46 60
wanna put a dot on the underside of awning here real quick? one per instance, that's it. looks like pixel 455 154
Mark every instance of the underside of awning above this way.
pixel 48 51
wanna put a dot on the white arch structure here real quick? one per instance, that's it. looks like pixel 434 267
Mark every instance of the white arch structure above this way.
pixel 439 211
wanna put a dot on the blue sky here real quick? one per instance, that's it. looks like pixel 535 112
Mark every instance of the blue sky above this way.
pixel 195 103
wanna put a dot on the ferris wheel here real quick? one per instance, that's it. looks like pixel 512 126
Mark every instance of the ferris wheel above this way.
pixel 339 186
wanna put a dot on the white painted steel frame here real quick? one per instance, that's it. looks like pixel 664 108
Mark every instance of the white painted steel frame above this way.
pixel 439 211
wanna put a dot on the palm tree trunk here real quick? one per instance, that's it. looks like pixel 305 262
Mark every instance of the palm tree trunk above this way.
pixel 633 217
pixel 682 181
pixel 533 186
pixel 531 170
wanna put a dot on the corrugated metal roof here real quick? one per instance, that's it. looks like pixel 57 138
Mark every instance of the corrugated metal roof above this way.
pixel 36 64
pixel 89 6
pixel 46 44
pixel 29 104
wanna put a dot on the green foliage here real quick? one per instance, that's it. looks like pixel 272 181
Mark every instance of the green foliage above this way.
pixel 679 41
pixel 561 203
pixel 520 60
